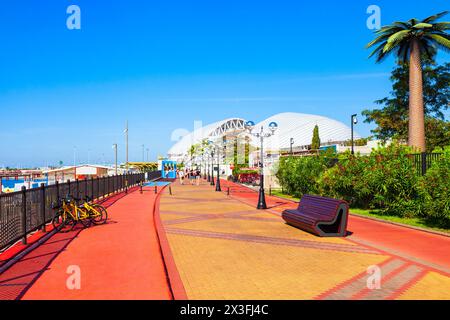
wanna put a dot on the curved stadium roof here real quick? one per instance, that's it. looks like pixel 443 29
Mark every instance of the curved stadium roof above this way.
pixel 212 130
pixel 299 126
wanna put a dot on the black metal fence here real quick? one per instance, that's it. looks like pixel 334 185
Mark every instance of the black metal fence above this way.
pixel 423 161
pixel 26 211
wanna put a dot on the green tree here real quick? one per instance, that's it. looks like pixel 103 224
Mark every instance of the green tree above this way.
pixel 409 41
pixel 315 144
pixel 392 118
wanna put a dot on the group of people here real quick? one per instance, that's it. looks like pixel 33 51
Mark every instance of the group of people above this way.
pixel 193 175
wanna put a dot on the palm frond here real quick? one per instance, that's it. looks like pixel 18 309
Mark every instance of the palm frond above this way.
pixel 395 39
pixel 428 48
pixel 441 26
pixel 377 49
pixel 422 25
pixel 403 53
pixel 402 25
pixel 379 39
pixel 435 17
pixel 441 40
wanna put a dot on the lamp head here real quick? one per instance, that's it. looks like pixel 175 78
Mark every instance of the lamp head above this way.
pixel 249 125
pixel 273 126
pixel 355 119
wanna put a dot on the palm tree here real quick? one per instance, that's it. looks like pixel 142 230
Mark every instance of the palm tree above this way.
pixel 409 41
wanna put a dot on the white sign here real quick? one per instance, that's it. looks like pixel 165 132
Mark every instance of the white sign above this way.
pixel 86 171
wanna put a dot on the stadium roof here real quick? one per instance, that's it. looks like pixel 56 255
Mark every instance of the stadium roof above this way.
pixel 290 125
pixel 213 130
pixel 300 126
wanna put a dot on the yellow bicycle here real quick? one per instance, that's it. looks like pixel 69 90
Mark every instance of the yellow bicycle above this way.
pixel 97 213
pixel 68 214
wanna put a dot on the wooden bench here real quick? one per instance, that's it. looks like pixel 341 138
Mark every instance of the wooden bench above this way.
pixel 321 216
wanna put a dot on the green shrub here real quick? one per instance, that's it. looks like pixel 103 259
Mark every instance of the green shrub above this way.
pixel 434 188
pixel 299 175
pixel 344 180
pixel 393 181
pixel 385 180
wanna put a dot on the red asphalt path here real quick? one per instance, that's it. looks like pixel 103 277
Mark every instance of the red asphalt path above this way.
pixel 118 260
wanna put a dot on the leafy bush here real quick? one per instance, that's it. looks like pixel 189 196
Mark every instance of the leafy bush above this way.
pixel 344 180
pixel 434 189
pixel 299 175
pixel 393 181
pixel 385 180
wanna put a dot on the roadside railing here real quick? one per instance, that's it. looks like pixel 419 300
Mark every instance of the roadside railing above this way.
pixel 423 161
pixel 26 211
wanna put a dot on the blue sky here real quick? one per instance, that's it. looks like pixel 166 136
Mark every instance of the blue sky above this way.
pixel 164 64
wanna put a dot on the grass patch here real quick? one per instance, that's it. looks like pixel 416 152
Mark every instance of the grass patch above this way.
pixel 415 222
pixel 280 194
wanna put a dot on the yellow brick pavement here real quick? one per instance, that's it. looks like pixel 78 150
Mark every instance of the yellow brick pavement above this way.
pixel 226 249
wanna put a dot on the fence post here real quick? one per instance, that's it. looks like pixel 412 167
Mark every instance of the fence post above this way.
pixel 68 187
pixel 57 191
pixel 77 189
pixel 424 163
pixel 42 195
pixel 92 189
pixel 24 214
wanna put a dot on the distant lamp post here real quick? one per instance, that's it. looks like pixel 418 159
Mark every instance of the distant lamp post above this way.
pixel 208 166
pixel 273 126
pixel 218 188
pixel 292 143
pixel 212 168
pixel 115 157
pixel 354 121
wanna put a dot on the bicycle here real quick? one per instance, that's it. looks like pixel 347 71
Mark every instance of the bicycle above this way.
pixel 68 214
pixel 98 213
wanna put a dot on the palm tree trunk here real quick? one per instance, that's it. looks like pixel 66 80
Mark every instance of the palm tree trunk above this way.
pixel 416 137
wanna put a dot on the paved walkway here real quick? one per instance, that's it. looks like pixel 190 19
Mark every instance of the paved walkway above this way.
pixel 223 248
pixel 118 260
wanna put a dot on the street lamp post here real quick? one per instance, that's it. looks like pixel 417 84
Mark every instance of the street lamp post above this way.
pixel 292 143
pixel 208 166
pixel 354 121
pixel 212 168
pixel 115 157
pixel 273 126
pixel 218 188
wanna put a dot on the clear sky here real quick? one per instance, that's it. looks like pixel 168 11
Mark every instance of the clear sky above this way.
pixel 164 64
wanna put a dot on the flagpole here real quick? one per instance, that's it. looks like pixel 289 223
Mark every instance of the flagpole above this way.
pixel 126 140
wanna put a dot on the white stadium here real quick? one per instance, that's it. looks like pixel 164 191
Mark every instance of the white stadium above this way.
pixel 296 127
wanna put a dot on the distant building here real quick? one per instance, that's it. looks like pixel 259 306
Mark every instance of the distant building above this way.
pixel 79 172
